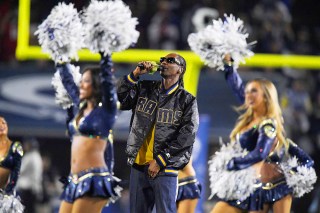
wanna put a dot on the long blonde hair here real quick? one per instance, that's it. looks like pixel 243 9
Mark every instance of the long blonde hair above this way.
pixel 273 111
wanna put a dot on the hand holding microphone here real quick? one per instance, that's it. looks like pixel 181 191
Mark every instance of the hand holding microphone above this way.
pixel 147 67
pixel 154 67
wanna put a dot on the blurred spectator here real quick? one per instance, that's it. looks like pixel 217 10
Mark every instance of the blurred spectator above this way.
pixel 315 122
pixel 302 45
pixel 195 19
pixel 163 31
pixel 273 22
pixel 29 185
pixel 8 30
pixel 315 204
pixel 50 187
pixel 315 135
pixel 296 103
pixel 202 17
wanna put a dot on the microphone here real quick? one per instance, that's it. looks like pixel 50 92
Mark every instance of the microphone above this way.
pixel 160 68
pixel 155 67
pixel 141 66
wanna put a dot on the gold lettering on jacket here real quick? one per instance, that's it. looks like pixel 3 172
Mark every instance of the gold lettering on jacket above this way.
pixel 167 116
pixel 146 106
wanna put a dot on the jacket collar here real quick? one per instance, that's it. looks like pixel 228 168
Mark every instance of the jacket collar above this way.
pixel 171 90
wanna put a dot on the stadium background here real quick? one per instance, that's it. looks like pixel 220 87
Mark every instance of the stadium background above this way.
pixel 287 33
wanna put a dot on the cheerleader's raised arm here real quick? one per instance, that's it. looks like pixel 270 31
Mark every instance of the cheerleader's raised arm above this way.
pixel 235 82
pixel 65 70
pixel 15 153
pixel 109 96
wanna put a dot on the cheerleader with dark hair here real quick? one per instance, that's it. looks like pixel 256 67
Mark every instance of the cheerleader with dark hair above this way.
pixel 90 184
pixel 89 98
pixel 10 163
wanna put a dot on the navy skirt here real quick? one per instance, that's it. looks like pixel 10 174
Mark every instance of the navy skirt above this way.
pixel 274 191
pixel 188 188
pixel 94 182
pixel 252 203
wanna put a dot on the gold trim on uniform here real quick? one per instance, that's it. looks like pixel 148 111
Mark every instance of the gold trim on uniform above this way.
pixel 110 136
pixel 186 182
pixel 268 126
pixel 269 185
pixel 76 180
pixel 268 121
pixel 269 131
pixel 257 185
pixel 17 147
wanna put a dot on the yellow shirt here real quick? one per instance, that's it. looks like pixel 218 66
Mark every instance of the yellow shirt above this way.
pixel 145 154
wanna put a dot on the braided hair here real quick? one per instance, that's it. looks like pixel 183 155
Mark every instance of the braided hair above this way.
pixel 183 65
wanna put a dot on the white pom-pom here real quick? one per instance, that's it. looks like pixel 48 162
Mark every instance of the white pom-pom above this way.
pixel 61 96
pixel 61 33
pixel 208 45
pixel 116 191
pixel 10 204
pixel 230 185
pixel 109 26
pixel 301 180
pixel 219 39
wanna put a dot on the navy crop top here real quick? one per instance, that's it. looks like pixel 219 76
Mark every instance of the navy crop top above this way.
pixel 100 120
pixel 12 161
pixel 258 142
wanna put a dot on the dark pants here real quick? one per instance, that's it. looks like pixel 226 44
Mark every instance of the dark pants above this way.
pixel 28 199
pixel 145 192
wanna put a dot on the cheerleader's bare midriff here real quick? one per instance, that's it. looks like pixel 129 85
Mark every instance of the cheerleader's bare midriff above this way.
pixel 270 172
pixel 87 153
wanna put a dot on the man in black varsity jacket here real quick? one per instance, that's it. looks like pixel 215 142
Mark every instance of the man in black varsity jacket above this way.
pixel 164 123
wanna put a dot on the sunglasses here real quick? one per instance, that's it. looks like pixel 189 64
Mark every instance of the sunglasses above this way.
pixel 170 60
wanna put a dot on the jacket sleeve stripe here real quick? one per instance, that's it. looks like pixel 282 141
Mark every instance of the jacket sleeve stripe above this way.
pixel 132 79
pixel 161 161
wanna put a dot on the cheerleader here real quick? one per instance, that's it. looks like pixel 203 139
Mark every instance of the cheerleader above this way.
pixel 89 98
pixel 256 131
pixel 189 189
pixel 286 170
pixel 10 163
pixel 259 168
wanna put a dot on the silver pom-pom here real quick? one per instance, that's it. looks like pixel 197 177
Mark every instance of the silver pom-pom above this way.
pixel 230 185
pixel 219 39
pixel 109 26
pixel 298 177
pixel 62 98
pixel 117 192
pixel 61 33
pixel 10 204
